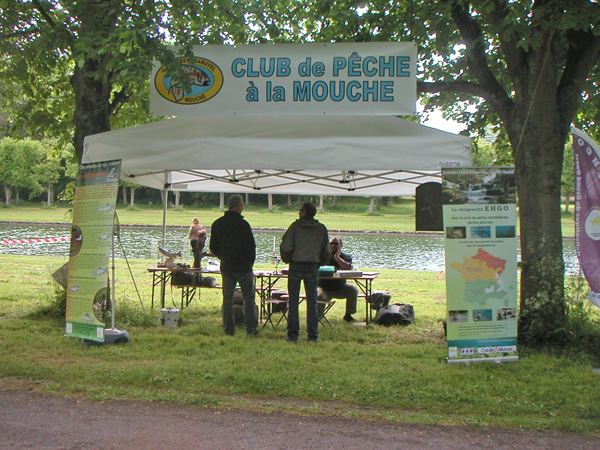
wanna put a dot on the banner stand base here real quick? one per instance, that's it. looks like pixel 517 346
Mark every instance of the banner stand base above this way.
pixel 499 360
pixel 111 336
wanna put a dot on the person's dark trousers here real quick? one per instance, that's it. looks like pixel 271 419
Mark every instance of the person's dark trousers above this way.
pixel 246 282
pixel 309 273
pixel 197 247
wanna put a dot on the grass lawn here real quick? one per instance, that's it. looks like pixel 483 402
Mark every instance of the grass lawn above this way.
pixel 373 372
pixel 377 373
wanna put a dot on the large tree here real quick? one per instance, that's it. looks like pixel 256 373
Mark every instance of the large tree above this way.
pixel 529 62
pixel 525 66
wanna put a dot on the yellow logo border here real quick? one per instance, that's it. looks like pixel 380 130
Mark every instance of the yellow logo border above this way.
pixel 196 61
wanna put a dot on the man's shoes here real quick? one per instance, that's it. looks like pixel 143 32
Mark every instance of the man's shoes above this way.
pixel 317 339
pixel 349 318
pixel 291 339
pixel 252 333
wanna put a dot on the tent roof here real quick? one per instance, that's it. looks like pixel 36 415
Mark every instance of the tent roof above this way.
pixel 330 155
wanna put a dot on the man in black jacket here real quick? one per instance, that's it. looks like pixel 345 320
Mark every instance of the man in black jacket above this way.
pixel 232 241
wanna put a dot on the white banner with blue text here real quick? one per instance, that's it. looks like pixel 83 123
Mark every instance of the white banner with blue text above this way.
pixel 377 78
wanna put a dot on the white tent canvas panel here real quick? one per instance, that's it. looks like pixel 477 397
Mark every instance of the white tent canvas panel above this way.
pixel 327 155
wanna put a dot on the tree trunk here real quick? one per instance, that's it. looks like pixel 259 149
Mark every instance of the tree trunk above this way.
pixel 538 152
pixel 7 193
pixel 270 202
pixel 92 78
pixel 567 202
pixel 132 197
pixel 177 194
pixel 289 201
pixel 221 201
pixel 92 104
pixel 372 206
pixel 321 203
pixel 49 195
pixel 124 191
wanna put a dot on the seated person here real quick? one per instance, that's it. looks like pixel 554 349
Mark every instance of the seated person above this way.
pixel 337 287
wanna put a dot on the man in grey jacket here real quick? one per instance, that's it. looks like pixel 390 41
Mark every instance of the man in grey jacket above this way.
pixel 304 247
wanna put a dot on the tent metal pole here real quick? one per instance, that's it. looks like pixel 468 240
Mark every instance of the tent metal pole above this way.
pixel 165 198
pixel 112 282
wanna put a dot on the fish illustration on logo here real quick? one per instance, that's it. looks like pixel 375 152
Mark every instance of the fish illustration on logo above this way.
pixel 205 78
pixel 74 288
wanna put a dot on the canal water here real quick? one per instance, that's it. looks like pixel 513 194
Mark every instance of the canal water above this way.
pixel 373 251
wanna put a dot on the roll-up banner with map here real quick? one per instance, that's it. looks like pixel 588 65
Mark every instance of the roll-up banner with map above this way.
pixel 479 210
pixel 91 246
pixel 587 210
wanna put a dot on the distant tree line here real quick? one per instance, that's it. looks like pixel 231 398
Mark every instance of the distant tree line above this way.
pixel 46 171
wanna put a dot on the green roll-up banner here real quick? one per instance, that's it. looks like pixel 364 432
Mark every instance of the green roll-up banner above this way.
pixel 91 246
pixel 479 210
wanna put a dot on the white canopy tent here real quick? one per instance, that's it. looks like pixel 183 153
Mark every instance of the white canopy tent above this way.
pixel 318 154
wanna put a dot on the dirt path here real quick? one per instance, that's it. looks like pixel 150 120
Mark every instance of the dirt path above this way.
pixel 44 422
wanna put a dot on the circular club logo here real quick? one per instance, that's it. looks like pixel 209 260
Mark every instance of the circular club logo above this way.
pixel 205 77
pixel 592 224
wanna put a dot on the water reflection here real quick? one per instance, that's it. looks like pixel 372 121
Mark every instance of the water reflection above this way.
pixel 377 251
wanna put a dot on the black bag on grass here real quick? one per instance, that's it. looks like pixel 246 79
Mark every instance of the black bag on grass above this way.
pixel 395 314
pixel 379 299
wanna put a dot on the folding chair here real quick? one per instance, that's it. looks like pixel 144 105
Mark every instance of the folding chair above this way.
pixel 272 306
pixel 323 307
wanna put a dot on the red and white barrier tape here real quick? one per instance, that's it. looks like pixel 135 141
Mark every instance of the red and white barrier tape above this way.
pixel 32 241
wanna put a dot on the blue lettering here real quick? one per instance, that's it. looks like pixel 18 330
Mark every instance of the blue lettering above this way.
pixel 354 68
pixel 251 70
pixel 370 71
pixel 283 67
pixel 387 91
pixel 301 91
pixel 238 72
pixel 351 93
pixel 370 90
pixel 338 64
pixel 264 71
pixel 337 91
pixel 403 68
pixel 319 91
pixel 386 65
pixel 337 96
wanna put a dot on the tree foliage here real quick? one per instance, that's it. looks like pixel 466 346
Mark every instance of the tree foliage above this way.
pixel 17 158
pixel 101 52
